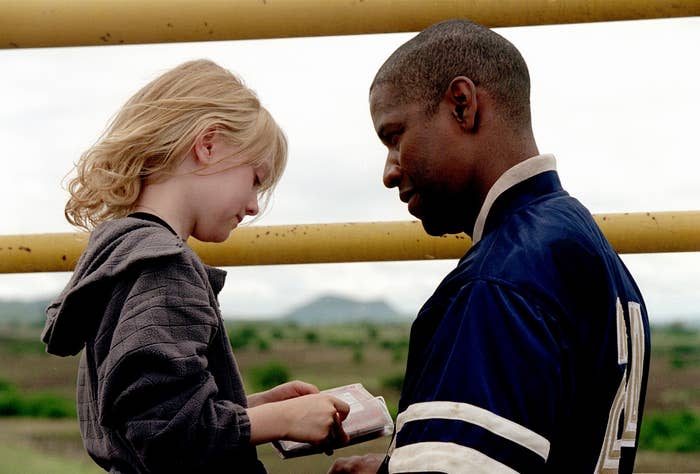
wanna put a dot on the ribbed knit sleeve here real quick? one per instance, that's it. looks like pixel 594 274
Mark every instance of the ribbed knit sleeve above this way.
pixel 155 384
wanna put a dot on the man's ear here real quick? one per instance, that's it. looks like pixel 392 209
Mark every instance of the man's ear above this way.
pixel 461 97
pixel 203 151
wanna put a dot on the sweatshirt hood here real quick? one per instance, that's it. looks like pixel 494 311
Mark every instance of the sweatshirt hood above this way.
pixel 114 248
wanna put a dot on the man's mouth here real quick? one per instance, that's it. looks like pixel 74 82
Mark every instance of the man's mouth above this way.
pixel 414 206
pixel 406 195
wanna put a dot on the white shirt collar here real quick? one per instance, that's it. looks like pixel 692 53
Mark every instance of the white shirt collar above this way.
pixel 517 174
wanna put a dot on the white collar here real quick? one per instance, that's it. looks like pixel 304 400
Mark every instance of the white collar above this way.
pixel 517 174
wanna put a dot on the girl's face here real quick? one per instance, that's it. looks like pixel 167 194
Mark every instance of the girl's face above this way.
pixel 227 192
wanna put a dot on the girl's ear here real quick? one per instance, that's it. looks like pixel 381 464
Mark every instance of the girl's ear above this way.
pixel 203 150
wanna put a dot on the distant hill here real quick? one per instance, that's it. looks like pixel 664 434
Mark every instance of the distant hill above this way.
pixel 20 311
pixel 332 309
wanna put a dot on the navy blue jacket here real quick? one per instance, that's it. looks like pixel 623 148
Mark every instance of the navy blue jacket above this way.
pixel 533 353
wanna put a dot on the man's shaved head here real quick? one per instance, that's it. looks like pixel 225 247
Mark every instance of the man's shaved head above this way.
pixel 423 67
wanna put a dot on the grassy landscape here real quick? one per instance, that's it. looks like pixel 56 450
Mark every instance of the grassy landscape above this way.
pixel 39 434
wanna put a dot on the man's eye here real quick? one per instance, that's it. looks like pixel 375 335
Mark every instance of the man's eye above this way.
pixel 391 139
pixel 395 136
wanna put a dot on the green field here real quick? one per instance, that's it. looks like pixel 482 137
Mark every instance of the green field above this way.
pixel 326 356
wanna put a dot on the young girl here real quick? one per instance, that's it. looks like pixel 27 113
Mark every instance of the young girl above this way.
pixel 158 387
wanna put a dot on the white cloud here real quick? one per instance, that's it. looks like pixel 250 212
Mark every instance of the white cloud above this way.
pixel 615 102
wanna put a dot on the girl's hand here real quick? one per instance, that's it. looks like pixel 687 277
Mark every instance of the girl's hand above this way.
pixel 317 419
pixel 314 418
pixel 293 389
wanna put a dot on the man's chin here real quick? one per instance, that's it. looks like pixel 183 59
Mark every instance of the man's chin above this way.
pixel 436 229
pixel 432 229
pixel 434 223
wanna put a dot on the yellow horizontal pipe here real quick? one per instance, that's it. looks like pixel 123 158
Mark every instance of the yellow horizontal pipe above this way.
pixel 43 23
pixel 648 232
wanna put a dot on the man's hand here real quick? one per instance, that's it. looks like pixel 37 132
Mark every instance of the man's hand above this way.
pixel 367 464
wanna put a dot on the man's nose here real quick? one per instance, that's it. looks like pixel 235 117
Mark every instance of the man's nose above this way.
pixel 392 171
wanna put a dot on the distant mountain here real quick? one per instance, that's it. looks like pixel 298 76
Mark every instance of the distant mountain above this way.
pixel 20 311
pixel 332 309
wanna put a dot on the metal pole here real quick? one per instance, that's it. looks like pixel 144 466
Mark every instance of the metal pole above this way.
pixel 45 23
pixel 647 232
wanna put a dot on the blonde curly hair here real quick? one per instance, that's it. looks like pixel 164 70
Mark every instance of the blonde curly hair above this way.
pixel 158 126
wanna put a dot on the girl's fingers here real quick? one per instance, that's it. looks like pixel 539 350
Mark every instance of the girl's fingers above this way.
pixel 340 437
pixel 341 407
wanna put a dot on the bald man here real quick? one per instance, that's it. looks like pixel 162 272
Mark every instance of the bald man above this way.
pixel 532 355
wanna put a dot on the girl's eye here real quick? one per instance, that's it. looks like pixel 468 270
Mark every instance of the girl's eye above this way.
pixel 257 182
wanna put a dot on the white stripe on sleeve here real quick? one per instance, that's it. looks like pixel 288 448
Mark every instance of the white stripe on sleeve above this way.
pixel 449 458
pixel 478 416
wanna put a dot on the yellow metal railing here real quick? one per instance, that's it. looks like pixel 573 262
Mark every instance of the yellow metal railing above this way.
pixel 352 242
pixel 42 23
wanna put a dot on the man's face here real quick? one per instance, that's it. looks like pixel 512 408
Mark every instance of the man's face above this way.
pixel 425 160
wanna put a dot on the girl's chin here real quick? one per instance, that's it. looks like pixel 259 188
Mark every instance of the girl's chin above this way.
pixel 214 237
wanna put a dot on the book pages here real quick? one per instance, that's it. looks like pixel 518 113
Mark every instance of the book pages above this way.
pixel 368 419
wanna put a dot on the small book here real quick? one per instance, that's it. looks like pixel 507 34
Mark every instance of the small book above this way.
pixel 368 419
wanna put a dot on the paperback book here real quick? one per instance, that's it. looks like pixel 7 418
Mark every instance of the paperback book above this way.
pixel 368 419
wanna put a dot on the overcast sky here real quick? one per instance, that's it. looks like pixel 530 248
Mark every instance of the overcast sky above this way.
pixel 616 103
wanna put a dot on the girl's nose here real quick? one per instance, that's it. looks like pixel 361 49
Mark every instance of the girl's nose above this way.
pixel 252 208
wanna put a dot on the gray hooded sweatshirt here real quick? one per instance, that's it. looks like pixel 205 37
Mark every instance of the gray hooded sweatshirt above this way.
pixel 158 387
